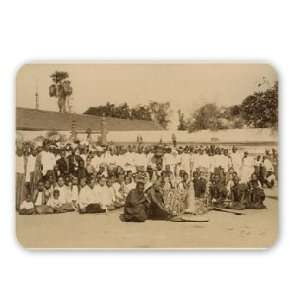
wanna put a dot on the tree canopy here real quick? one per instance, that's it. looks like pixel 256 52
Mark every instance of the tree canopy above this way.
pixel 59 76
pixel 155 111
pixel 258 110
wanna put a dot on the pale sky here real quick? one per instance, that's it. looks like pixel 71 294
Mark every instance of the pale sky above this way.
pixel 186 86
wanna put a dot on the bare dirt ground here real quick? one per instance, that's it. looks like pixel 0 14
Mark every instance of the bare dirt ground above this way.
pixel 256 229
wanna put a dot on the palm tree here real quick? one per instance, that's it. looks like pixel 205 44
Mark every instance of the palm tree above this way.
pixel 60 89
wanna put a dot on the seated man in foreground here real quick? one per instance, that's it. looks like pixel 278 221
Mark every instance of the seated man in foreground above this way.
pixel 136 205
pixel 142 204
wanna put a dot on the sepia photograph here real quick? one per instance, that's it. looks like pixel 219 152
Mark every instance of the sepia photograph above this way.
pixel 147 155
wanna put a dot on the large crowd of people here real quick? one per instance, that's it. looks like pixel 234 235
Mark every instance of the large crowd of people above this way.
pixel 147 181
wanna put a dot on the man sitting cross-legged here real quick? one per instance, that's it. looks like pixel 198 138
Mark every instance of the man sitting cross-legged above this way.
pixel 256 194
pixel 88 201
pixel 217 192
pixel 40 197
pixel 54 202
pixel 136 205
pixel 65 198
pixel 238 194
pixel 104 195
pixel 27 207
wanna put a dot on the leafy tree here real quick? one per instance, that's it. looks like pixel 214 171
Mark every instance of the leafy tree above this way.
pixel 206 117
pixel 155 111
pixel 59 76
pixel 60 89
pixel 160 112
pixel 141 112
pixel 260 110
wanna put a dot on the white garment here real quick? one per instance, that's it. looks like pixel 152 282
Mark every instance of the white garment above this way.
pixel 204 161
pixel 68 194
pixel 74 193
pixel 120 161
pixel 87 196
pixel 141 160
pixel 83 156
pixel 96 161
pixel 30 167
pixel 268 165
pixel 63 193
pixel 116 186
pixel 112 193
pixel 271 178
pixel 39 199
pixel 195 160
pixel 26 205
pixel 109 158
pixel 149 157
pixel 212 163
pixel 48 161
pixel 185 162
pixel 257 163
pixel 20 166
pixel 218 160
pixel 129 187
pixel 54 203
pixel 103 195
pixel 129 158
pixel 230 184
pixel 236 161
pixel 168 159
pixel 225 162
pixel 247 169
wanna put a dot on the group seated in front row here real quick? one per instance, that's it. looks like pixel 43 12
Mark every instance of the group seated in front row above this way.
pixel 98 194
pixel 89 195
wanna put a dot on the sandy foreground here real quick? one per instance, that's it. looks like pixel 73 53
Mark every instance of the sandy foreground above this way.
pixel 255 229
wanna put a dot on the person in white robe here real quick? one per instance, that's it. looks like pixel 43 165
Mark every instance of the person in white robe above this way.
pixel 97 160
pixel 103 194
pixel 140 161
pixel 204 161
pixel 212 162
pixel 129 185
pixel 185 162
pixel 171 158
pixel 129 158
pixel 65 196
pixel 48 160
pixel 247 168
pixel 88 200
pixel 20 177
pixel 236 160
pixel 30 168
